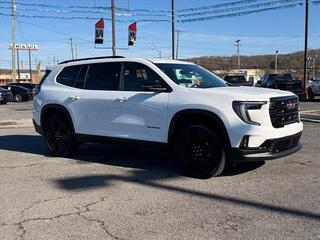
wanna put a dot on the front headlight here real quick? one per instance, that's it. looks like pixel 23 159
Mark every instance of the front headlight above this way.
pixel 241 109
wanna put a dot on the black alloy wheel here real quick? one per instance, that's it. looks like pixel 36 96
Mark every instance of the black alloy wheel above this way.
pixel 59 137
pixel 200 151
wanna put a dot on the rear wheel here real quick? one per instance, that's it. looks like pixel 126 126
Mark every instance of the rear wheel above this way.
pixel 17 98
pixel 200 151
pixel 59 137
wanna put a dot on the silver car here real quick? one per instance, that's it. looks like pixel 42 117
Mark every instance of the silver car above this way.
pixel 314 88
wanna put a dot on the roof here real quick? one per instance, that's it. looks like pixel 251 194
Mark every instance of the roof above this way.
pixel 119 58
pixel 163 60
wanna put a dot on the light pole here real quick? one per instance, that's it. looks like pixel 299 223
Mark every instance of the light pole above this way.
pixel 276 62
pixel 172 29
pixel 114 51
pixel 304 83
pixel 13 40
pixel 238 53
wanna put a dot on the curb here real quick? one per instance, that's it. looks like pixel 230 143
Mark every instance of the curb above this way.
pixel 310 120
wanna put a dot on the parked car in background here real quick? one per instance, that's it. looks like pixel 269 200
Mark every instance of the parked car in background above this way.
pixel 19 93
pixel 314 88
pixel 282 82
pixel 30 86
pixel 5 96
pixel 238 80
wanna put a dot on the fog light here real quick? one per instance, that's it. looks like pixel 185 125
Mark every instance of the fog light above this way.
pixel 244 142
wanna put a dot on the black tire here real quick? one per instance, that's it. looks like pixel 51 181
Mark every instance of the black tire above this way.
pixel 59 137
pixel 3 102
pixel 310 94
pixel 199 151
pixel 17 98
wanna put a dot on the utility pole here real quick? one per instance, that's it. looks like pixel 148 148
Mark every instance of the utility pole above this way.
pixel 71 44
pixel 54 60
pixel 114 53
pixel 13 40
pixel 304 84
pixel 314 65
pixel 276 62
pixel 76 46
pixel 30 70
pixel 172 27
pixel 18 65
pixel 238 53
pixel 177 50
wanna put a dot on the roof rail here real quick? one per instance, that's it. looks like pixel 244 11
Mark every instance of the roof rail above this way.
pixel 92 58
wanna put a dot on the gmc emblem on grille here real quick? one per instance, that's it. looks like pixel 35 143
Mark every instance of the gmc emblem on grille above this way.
pixel 291 105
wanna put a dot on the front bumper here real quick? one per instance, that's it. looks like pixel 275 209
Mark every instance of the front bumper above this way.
pixel 270 149
pixel 37 127
pixel 6 98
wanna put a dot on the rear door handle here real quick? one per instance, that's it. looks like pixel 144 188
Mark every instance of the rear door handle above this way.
pixel 123 99
pixel 74 98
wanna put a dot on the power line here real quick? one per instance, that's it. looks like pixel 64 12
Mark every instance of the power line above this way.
pixel 238 14
pixel 241 8
pixel 214 17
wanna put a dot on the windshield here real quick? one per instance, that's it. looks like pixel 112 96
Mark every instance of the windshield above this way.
pixel 281 77
pixel 235 79
pixel 191 76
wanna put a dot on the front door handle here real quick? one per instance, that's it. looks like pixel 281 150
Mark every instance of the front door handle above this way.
pixel 123 99
pixel 74 98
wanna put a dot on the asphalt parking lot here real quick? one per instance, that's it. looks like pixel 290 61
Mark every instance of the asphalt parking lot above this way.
pixel 110 192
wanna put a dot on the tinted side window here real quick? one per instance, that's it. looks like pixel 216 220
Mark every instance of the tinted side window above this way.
pixel 79 82
pixel 68 75
pixel 137 75
pixel 103 76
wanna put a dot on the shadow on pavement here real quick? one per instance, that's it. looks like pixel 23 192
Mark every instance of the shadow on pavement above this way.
pixel 140 177
pixel 148 157
pixel 148 169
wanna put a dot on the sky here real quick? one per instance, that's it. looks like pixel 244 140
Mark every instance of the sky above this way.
pixel 260 33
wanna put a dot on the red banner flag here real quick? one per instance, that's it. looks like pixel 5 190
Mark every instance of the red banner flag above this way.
pixel 132 33
pixel 99 32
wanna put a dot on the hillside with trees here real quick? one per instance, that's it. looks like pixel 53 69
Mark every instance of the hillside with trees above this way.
pixel 291 62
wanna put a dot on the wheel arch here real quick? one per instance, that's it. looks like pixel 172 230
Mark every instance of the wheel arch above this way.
pixel 184 117
pixel 55 109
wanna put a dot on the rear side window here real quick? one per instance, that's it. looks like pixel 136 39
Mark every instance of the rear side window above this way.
pixel 79 82
pixel 44 78
pixel 68 75
pixel 103 76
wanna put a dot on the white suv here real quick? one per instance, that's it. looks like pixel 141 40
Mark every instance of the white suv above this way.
pixel 206 122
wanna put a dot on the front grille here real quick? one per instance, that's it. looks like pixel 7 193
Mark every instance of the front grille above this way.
pixel 278 145
pixel 284 111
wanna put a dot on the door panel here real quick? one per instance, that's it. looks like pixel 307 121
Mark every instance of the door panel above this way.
pixel 143 116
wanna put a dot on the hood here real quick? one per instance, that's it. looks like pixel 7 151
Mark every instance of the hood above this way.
pixel 245 93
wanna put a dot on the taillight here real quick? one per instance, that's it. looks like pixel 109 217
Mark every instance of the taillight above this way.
pixel 36 90
pixel 274 85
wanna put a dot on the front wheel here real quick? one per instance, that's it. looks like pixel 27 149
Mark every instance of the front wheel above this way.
pixel 200 151
pixel 59 137
pixel 17 98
